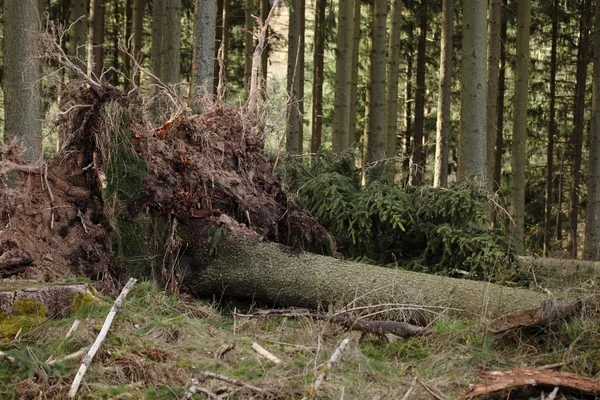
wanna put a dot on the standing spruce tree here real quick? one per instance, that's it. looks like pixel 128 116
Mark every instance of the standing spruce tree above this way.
pixel 440 178
pixel 471 164
pixel 205 20
pixel 591 250
pixel 352 131
pixel 265 8
pixel 493 61
pixel 518 160
pixel 418 149
pixel 295 77
pixel 21 77
pixel 392 77
pixel 319 50
pixel 95 58
pixel 248 42
pixel 343 77
pixel 498 149
pixel 158 12
pixel 171 44
pixel 408 98
pixel 138 33
pixel 78 42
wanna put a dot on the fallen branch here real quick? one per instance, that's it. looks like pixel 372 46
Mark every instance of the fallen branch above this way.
pixel 71 356
pixel 226 348
pixel 265 353
pixel 197 385
pixel 334 358
pixel 196 388
pixel 502 380
pixel 430 390
pixel 9 166
pixel 87 360
pixel 8 357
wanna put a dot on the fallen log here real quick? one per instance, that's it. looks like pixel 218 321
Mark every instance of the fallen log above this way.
pixel 560 268
pixel 247 268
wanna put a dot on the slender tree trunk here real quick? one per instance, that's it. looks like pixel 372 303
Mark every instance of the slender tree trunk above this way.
pixel 581 75
pixel 96 48
pixel 471 165
pixel 392 77
pixel 500 112
pixel 368 98
pixel 407 158
pixel 138 34
pixel 295 78
pixel 319 49
pixel 592 222
pixel 172 42
pixel 551 133
pixel 418 152
pixel 128 36
pixel 158 13
pixel 493 57
pixel 353 135
pixel 22 103
pixel 114 52
pixel 343 77
pixel 265 8
pixel 78 42
pixel 218 43
pixel 440 178
pixel 205 19
pixel 518 161
pixel 248 41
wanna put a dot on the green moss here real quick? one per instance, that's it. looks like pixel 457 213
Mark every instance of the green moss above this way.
pixel 3 315
pixel 82 299
pixel 28 307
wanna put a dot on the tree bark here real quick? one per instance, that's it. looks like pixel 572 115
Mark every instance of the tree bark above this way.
pixel 440 178
pixel 558 268
pixel 471 164
pixel 22 102
pixel 172 42
pixel 578 124
pixel 392 77
pixel 295 78
pixel 407 157
pixel 218 42
pixel 265 8
pixel 343 77
pixel 592 220
pixel 78 42
pixel 518 160
pixel 352 129
pixel 418 151
pixel 268 272
pixel 319 49
pixel 551 133
pixel 96 48
pixel 248 42
pixel 493 57
pixel 205 19
pixel 158 12
pixel 138 34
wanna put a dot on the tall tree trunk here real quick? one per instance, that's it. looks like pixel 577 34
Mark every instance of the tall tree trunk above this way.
pixel 551 133
pixel 471 164
pixel 295 78
pixel 158 14
pixel 22 102
pixel 592 222
pixel 517 192
pixel 343 77
pixel 172 42
pixel 499 148
pixel 265 8
pixel 128 36
pixel 138 34
pixel 319 49
pixel 205 19
pixel 407 157
pixel 353 135
pixel 78 42
pixel 493 57
pixel 117 18
pixel 440 178
pixel 218 42
pixel 418 152
pixel 581 75
pixel 392 77
pixel 96 48
pixel 248 41
pixel 377 121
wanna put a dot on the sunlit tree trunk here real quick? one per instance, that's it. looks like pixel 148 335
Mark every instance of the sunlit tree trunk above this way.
pixel 493 57
pixel 248 41
pixel 138 33
pixel 79 31
pixel 96 47
pixel 218 43
pixel 592 222
pixel 499 148
pixel 265 8
pixel 440 178
pixel 343 77
pixel 392 77
pixel 158 12
pixel 377 121
pixel 353 131
pixel 577 139
pixel 319 49
pixel 22 103
pixel 418 151
pixel 295 77
pixel 408 96
pixel 205 19
pixel 551 133
pixel 172 42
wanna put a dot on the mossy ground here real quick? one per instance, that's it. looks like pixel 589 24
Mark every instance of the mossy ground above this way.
pixel 158 343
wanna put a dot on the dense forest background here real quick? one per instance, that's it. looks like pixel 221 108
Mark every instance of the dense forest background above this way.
pixel 500 97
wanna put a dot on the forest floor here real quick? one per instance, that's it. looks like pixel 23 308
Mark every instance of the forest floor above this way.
pixel 159 342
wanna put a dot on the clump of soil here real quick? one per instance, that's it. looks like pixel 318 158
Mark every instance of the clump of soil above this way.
pixel 207 171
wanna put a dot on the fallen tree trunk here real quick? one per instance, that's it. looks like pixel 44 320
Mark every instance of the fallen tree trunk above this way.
pixel 557 267
pixel 269 272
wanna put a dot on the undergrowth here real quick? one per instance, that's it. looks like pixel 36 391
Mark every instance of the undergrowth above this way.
pixel 443 231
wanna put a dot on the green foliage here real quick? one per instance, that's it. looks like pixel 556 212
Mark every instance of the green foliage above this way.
pixel 434 230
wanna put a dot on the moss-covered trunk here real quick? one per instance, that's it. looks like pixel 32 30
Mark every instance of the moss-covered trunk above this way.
pixel 269 272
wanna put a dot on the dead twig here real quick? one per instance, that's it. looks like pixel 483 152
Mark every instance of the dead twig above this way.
pixel 197 385
pixel 410 389
pixel 226 348
pixel 87 360
pixel 430 390
pixel 196 388
pixel 77 354
pixel 8 357
pixel 329 366
pixel 266 353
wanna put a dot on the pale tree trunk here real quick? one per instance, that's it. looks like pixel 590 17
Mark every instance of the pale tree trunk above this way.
pixel 493 58
pixel 352 130
pixel 407 157
pixel 265 8
pixel 205 19
pixel 418 150
pixel 138 34
pixel 592 221
pixel 172 42
pixel 518 159
pixel 22 102
pixel 115 13
pixel 158 13
pixel 263 271
pixel 248 42
pixel 96 48
pixel 376 137
pixel 578 124
pixel 343 77
pixel 129 44
pixel 551 133
pixel 218 43
pixel 79 30
pixel 295 78
pixel 319 49
pixel 471 163
pixel 393 73
pixel 440 178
